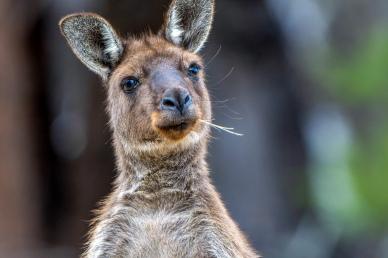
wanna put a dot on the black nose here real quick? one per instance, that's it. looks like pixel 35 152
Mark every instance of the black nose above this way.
pixel 176 99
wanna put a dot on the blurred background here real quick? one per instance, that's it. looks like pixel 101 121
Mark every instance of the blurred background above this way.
pixel 305 81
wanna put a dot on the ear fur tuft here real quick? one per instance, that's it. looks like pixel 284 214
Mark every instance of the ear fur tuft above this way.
pixel 93 41
pixel 188 23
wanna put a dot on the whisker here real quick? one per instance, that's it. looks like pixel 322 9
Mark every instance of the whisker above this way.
pixel 214 57
pixel 216 101
pixel 221 128
pixel 231 116
pixel 226 76
pixel 220 101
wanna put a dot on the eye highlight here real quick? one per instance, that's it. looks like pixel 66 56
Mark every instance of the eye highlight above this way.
pixel 129 84
pixel 194 69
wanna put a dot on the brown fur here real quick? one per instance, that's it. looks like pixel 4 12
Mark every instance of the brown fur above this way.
pixel 163 203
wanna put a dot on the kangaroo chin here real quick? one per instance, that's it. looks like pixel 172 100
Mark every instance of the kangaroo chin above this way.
pixel 163 203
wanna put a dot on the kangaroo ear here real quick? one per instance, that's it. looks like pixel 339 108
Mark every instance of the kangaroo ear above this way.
pixel 188 23
pixel 93 41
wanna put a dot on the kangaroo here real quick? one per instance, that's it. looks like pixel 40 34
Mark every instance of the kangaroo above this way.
pixel 163 203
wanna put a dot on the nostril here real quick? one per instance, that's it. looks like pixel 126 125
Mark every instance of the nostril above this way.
pixel 176 100
pixel 168 102
pixel 187 99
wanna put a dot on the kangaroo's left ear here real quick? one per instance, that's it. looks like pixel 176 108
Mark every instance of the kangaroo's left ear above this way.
pixel 188 23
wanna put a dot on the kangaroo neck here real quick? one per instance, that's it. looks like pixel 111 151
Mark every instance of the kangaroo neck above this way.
pixel 180 169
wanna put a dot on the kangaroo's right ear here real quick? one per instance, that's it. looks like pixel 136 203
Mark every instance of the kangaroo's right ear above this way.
pixel 93 41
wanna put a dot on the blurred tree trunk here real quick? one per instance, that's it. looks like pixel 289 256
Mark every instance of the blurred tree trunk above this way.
pixel 19 208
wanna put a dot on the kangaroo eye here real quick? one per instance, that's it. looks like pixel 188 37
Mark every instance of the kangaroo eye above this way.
pixel 129 84
pixel 194 70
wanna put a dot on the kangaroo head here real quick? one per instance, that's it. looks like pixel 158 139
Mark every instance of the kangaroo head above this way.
pixel 155 83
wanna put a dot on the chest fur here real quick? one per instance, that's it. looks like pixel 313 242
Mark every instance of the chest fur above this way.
pixel 158 234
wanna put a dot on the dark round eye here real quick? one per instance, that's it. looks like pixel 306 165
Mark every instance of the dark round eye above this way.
pixel 129 84
pixel 194 69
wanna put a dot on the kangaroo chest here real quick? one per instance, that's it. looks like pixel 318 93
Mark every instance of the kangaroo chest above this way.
pixel 162 234
pixel 162 231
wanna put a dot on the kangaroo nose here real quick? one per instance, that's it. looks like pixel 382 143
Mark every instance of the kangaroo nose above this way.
pixel 176 99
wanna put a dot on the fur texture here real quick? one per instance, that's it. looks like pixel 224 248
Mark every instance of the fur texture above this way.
pixel 93 41
pixel 188 23
pixel 163 203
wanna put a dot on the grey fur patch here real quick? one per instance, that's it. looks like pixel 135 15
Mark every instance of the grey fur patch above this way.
pixel 188 23
pixel 93 41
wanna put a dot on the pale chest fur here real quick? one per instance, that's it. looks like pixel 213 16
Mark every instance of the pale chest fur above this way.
pixel 165 232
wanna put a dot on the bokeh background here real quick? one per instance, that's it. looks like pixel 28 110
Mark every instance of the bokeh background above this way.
pixel 305 81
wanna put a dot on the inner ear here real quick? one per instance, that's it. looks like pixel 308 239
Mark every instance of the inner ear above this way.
pixel 93 41
pixel 188 23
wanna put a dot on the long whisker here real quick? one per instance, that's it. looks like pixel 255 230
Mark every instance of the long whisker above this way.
pixel 218 101
pixel 225 77
pixel 222 128
pixel 216 54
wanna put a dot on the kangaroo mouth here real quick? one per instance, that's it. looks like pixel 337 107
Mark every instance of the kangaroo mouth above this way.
pixel 173 128
pixel 176 127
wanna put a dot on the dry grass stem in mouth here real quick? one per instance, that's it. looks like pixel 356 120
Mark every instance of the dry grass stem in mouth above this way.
pixel 221 128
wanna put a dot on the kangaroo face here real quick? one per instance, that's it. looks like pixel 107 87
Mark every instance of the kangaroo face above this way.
pixel 156 89
pixel 157 93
